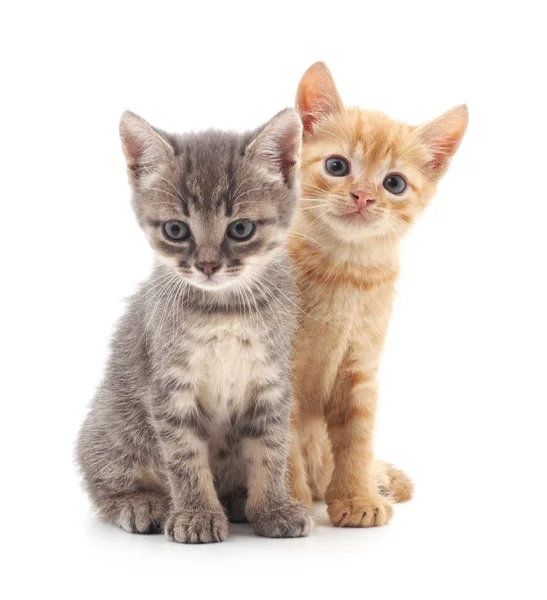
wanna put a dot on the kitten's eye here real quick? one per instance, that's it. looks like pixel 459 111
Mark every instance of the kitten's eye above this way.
pixel 394 183
pixel 241 230
pixel 337 166
pixel 175 231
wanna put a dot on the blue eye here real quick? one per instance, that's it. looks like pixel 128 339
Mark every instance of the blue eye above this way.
pixel 337 166
pixel 175 231
pixel 241 230
pixel 395 183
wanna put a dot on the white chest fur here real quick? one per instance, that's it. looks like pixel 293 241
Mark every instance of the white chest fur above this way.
pixel 226 364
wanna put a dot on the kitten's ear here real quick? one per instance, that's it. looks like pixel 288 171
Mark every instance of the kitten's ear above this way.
pixel 442 136
pixel 144 148
pixel 277 146
pixel 317 95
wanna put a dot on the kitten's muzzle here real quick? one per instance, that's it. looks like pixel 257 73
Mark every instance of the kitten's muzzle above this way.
pixel 362 199
pixel 208 268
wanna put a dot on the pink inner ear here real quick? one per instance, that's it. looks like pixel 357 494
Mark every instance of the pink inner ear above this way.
pixel 442 151
pixel 286 158
pixel 134 148
pixel 316 96
pixel 142 153
pixel 308 121
pixel 314 105
pixel 443 136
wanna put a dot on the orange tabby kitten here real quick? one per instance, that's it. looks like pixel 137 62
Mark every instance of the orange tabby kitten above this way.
pixel 365 178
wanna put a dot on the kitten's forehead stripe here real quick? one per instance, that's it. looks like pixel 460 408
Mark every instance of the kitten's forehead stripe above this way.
pixel 185 210
pixel 212 167
pixel 188 166
pixel 217 181
pixel 229 197
pixel 188 196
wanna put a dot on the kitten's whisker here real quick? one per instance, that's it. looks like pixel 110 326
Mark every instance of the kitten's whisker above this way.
pixel 175 189
pixel 156 285
pixel 267 296
pixel 165 286
pixel 166 192
pixel 231 199
pixel 252 190
pixel 246 290
pixel 312 208
pixel 318 218
pixel 305 237
pixel 165 312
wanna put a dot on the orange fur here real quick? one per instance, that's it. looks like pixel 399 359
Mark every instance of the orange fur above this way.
pixel 346 268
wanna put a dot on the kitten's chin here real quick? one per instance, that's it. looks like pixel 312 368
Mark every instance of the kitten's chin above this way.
pixel 211 284
pixel 357 225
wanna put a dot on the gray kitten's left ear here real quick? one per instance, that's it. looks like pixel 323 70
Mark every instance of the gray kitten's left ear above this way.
pixel 144 148
pixel 277 146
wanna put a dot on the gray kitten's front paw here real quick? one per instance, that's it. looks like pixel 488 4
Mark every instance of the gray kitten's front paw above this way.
pixel 189 527
pixel 289 520
pixel 138 512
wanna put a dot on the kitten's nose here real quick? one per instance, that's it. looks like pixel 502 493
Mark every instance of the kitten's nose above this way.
pixel 362 198
pixel 208 267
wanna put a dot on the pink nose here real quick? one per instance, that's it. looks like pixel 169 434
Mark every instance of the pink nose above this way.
pixel 362 199
pixel 208 267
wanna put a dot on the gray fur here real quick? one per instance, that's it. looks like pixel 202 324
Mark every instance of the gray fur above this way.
pixel 190 425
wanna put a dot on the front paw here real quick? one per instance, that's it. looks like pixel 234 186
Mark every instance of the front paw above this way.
pixel 287 521
pixel 195 527
pixel 361 511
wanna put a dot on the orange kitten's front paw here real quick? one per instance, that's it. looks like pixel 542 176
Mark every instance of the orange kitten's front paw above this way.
pixel 360 511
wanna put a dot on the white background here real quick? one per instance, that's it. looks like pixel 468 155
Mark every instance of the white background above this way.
pixel 463 392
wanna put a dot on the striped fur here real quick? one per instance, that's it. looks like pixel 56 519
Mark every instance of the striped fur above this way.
pixel 190 427
pixel 346 266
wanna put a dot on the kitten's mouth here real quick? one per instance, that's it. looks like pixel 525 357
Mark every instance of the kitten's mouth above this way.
pixel 212 282
pixel 358 217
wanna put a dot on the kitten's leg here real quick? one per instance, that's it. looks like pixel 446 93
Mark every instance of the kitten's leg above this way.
pixel 352 496
pixel 297 476
pixel 197 515
pixel 317 456
pixel 230 478
pixel 126 486
pixel 265 437
pixel 136 512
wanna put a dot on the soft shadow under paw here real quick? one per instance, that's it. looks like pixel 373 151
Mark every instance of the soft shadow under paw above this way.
pixel 189 527
pixel 360 511
pixel 290 520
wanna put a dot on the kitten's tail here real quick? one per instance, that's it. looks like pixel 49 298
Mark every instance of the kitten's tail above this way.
pixel 391 481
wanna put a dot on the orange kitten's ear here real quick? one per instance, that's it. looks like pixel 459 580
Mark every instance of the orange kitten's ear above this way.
pixel 442 136
pixel 143 146
pixel 317 95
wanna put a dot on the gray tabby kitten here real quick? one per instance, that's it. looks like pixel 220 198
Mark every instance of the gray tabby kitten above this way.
pixel 190 426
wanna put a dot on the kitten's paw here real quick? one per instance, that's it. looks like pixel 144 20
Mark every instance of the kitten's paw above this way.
pixel 288 521
pixel 138 512
pixel 189 527
pixel 361 511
